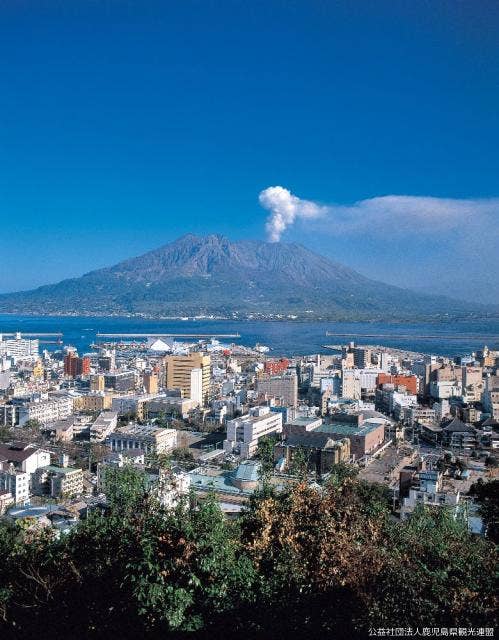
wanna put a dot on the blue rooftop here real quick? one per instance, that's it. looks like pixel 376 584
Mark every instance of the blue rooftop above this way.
pixel 346 429
pixel 248 470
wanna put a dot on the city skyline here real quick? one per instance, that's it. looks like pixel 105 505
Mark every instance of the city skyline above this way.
pixel 176 118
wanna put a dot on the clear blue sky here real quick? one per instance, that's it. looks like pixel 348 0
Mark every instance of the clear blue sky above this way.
pixel 124 124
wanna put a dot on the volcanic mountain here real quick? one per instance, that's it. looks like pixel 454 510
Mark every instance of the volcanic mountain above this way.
pixel 213 276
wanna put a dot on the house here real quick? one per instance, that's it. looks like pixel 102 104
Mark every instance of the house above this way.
pixel 24 456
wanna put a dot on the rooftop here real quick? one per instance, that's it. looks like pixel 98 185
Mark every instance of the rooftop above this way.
pixel 64 470
pixel 13 453
pixel 345 429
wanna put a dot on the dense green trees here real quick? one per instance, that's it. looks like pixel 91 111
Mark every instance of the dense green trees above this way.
pixel 326 562
pixel 487 496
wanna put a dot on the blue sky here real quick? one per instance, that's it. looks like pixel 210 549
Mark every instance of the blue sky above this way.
pixel 126 124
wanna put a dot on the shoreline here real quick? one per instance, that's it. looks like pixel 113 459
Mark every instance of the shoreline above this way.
pixel 289 320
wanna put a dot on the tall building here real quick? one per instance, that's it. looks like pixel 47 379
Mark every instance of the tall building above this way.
pixel 361 358
pixel 107 360
pixel 151 382
pixel 75 366
pixel 179 374
pixel 97 383
pixel 283 388
pixel 472 384
pixel 350 384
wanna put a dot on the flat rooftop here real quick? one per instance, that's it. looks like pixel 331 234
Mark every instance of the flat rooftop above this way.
pixel 304 420
pixel 345 429
pixel 63 470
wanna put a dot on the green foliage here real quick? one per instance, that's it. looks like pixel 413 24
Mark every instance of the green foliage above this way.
pixel 299 462
pixel 265 454
pixel 340 473
pixel 487 495
pixel 182 453
pixel 32 424
pixel 319 562
pixel 437 566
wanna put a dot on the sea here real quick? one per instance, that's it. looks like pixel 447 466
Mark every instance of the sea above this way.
pixel 291 338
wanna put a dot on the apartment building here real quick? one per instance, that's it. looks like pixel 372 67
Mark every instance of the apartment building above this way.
pixel 131 405
pixel 75 366
pixel 19 348
pixel 58 482
pixel 96 401
pixel 350 384
pixel 472 384
pixel 104 424
pixel 54 408
pixel 491 396
pixel 14 482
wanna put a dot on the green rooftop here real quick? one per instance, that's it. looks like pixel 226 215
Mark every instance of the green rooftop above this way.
pixel 346 429
pixel 64 470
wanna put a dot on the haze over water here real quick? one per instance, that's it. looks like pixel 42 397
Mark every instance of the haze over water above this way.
pixel 284 338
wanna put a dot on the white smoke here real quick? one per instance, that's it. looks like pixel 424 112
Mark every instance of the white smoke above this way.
pixel 391 214
pixel 284 209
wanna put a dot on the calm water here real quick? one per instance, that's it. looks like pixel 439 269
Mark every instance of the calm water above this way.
pixel 290 338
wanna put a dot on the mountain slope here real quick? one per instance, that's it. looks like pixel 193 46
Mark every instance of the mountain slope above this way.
pixel 211 275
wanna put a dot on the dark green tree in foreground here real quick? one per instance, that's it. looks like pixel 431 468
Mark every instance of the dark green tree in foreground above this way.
pixel 487 496
pixel 314 562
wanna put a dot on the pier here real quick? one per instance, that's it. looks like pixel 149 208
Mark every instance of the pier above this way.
pixel 169 335
pixel 407 336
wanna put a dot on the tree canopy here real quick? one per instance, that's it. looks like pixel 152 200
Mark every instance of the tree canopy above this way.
pixel 318 561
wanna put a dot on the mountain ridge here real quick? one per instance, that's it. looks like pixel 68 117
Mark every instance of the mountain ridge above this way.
pixel 210 275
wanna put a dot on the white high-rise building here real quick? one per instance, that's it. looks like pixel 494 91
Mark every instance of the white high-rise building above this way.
pixel 19 348
pixel 197 386
pixel 243 433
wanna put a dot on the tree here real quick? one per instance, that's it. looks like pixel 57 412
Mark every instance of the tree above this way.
pixel 299 462
pixel 304 561
pixel 341 472
pixel 437 566
pixel 32 423
pixel 491 461
pixel 265 453
pixel 487 496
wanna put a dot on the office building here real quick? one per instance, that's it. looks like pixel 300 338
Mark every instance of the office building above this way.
pixel 283 389
pixel 180 375
pixel 244 433
pixel 147 438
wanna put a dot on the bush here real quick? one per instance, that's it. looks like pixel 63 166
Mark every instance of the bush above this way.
pixel 320 562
